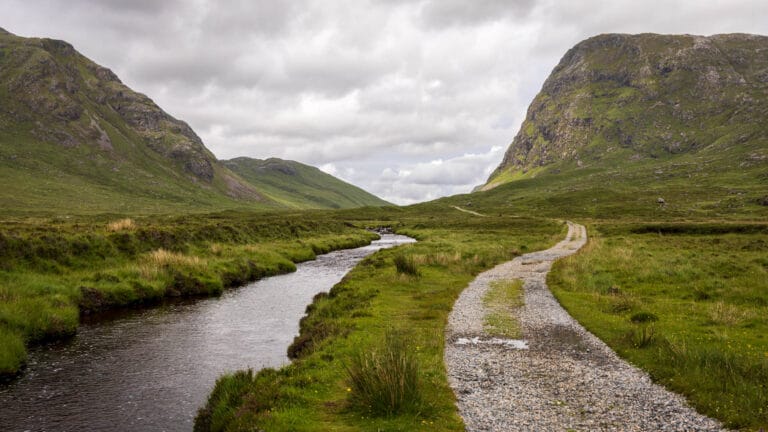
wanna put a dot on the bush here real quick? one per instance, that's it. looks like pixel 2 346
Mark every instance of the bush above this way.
pixel 385 382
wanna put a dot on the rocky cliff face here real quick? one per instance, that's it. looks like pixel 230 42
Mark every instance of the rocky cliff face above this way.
pixel 49 90
pixel 632 97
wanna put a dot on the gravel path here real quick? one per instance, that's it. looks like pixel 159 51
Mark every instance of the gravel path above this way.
pixel 565 378
pixel 472 212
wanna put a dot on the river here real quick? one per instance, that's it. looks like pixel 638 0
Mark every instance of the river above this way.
pixel 150 370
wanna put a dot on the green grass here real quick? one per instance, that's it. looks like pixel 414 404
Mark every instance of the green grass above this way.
pixel 296 185
pixel 354 319
pixel 688 307
pixel 52 270
pixel 406 265
pixel 502 298
pixel 385 381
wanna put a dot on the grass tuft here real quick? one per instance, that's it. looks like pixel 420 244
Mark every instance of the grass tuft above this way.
pixel 126 224
pixel 13 355
pixel 160 260
pixel 405 264
pixel 385 382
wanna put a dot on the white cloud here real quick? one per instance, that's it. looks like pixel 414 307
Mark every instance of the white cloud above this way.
pixel 329 168
pixel 410 100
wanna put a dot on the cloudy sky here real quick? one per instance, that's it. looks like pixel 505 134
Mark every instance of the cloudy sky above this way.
pixel 410 100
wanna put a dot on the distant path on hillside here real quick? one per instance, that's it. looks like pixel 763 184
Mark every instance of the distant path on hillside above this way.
pixel 468 211
pixel 563 377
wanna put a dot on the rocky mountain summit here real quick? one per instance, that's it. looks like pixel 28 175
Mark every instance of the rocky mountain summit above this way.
pixel 619 99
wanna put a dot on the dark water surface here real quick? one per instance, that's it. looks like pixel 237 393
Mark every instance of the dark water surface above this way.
pixel 151 370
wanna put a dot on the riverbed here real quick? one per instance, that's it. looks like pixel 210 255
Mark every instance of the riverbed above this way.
pixel 152 369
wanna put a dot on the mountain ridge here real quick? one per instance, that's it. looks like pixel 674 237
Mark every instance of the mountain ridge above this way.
pixel 300 185
pixel 72 133
pixel 644 96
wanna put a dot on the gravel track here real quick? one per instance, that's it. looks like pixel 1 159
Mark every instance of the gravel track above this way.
pixel 567 379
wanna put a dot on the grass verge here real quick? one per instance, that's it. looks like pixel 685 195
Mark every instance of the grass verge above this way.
pixel 51 271
pixel 688 305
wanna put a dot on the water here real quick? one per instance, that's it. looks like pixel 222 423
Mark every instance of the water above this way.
pixel 151 370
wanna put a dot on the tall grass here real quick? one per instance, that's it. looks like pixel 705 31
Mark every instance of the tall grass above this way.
pixel 126 224
pixel 405 264
pixel 161 259
pixel 385 381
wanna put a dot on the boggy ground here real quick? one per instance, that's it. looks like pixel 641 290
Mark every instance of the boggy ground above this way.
pixel 564 378
pixel 53 270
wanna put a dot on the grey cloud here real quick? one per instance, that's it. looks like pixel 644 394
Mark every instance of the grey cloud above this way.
pixel 377 90
pixel 445 13
pixel 242 19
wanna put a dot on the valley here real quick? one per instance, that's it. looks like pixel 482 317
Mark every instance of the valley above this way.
pixel 656 143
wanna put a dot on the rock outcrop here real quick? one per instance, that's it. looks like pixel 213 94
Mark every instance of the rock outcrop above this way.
pixel 643 96
pixel 50 83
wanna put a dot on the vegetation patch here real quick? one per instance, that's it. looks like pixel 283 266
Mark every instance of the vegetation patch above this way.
pixel 501 300
pixel 52 270
pixel 689 308
pixel 386 381
pixel 406 265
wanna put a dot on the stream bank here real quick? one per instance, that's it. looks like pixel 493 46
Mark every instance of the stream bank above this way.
pixel 151 370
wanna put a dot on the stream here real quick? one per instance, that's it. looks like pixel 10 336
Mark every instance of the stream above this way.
pixel 151 369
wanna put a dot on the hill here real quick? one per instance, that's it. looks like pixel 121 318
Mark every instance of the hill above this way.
pixel 297 185
pixel 638 117
pixel 75 139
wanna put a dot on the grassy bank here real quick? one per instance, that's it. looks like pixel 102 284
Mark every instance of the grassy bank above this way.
pixel 53 270
pixel 346 347
pixel 686 302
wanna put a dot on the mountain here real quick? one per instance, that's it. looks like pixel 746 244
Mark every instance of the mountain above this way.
pixel 75 139
pixel 647 116
pixel 300 186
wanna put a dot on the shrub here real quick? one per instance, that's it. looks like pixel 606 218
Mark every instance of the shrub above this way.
pixel 385 382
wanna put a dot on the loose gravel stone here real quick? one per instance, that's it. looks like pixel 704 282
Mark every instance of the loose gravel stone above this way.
pixel 566 379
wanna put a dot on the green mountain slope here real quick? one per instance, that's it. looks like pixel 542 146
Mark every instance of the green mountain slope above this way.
pixel 626 119
pixel 300 186
pixel 74 139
